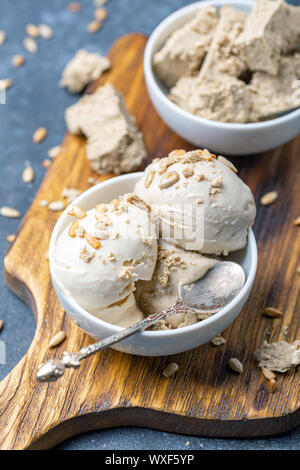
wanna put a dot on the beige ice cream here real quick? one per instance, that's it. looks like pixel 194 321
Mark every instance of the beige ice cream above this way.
pixel 99 258
pixel 175 267
pixel 123 313
pixel 184 51
pixel 108 259
pixel 201 204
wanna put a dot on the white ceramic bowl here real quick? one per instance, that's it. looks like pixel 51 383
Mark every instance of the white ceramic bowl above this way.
pixel 151 343
pixel 219 137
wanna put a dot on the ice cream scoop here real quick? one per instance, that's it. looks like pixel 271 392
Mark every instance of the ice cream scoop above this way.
pixel 102 253
pixel 199 200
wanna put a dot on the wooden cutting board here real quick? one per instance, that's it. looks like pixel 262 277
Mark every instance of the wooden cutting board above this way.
pixel 113 389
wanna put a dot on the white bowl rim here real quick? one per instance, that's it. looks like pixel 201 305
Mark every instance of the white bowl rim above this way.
pixel 185 114
pixel 162 333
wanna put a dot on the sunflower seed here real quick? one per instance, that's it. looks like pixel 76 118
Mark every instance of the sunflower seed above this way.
pixel 9 212
pixel 2 37
pixel 94 242
pixel 46 163
pixel 168 179
pixel 268 374
pixel 43 203
pixel 45 31
pixel 218 341
pixel 18 60
pixel 57 339
pixel 297 221
pixel 74 7
pixel 227 163
pixel 76 211
pixel 32 30
pixel 170 370
pixel 100 14
pixel 30 45
pixel 70 194
pixel 272 386
pixel 54 151
pixel 5 83
pixel 73 228
pixel 235 365
pixel 269 198
pixel 28 174
pixel 39 135
pixel 11 238
pixel 272 312
pixel 177 153
pixel 93 26
pixel 149 178
pixel 56 206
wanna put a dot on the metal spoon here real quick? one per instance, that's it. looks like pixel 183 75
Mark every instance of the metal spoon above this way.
pixel 208 295
pixel 280 114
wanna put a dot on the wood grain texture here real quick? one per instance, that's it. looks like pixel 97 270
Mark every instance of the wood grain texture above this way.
pixel 113 389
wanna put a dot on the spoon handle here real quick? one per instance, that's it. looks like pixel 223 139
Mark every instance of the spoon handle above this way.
pixel 54 368
pixel 51 370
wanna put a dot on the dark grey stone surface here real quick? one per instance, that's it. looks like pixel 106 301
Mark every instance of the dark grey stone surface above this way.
pixel 36 100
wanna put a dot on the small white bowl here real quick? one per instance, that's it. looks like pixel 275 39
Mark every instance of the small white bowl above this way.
pixel 219 137
pixel 150 343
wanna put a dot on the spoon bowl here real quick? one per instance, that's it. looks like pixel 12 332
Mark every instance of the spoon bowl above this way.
pixel 216 289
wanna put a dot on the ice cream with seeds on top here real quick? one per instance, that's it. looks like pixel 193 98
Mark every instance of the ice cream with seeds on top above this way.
pixel 201 203
pixel 99 257
pixel 108 258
